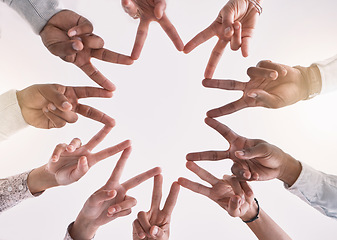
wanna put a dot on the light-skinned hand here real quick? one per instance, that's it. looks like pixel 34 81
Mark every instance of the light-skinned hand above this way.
pixel 253 159
pixel 235 24
pixel 52 105
pixel 271 85
pixel 235 196
pixel 110 201
pixel 155 224
pixel 148 11
pixel 69 36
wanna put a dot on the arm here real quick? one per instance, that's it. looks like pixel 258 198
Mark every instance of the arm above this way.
pixel 36 12
pixel 237 198
pixel 11 119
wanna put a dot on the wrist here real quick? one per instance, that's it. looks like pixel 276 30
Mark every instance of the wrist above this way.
pixel 82 229
pixel 291 171
pixel 251 213
pixel 40 180
pixel 312 81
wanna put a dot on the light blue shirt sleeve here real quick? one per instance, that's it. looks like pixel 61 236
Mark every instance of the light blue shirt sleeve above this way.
pixel 36 12
pixel 318 189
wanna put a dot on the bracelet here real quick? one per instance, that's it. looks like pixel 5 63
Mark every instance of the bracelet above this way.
pixel 257 214
pixel 256 5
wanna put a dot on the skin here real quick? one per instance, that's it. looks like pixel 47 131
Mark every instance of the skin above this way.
pixel 150 11
pixel 52 105
pixel 110 201
pixel 235 24
pixel 155 224
pixel 271 85
pixel 253 159
pixel 237 198
pixel 71 162
pixel 69 36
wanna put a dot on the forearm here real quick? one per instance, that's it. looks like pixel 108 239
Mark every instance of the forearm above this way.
pixel 40 180
pixel 265 228
pixel 36 12
pixel 82 229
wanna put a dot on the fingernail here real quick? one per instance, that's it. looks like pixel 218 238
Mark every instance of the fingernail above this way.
pixel 241 153
pixel 70 148
pixel 45 110
pixel 155 231
pixel 54 158
pixel 273 75
pixel 51 107
pixel 141 235
pixel 66 105
pixel 72 33
pixel 111 210
pixel 75 47
pixel 227 30
pixel 246 175
pixel 236 27
pixel 252 95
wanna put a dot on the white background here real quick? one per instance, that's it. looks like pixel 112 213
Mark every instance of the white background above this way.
pixel 160 105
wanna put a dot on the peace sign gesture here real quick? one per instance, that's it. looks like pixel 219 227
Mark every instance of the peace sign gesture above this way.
pixel 148 11
pixel 155 224
pixel 110 201
pixel 69 36
pixel 235 24
pixel 271 85
pixel 71 162
pixel 253 159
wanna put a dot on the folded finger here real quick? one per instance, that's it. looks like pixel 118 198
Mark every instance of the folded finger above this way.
pixel 236 38
pixel 66 48
pixel 142 31
pixel 74 144
pixel 215 58
pixel 234 206
pixel 68 116
pixel 129 7
pixel 83 27
pixel 224 84
pixel 207 155
pixel 126 204
pixel 282 71
pixel 135 181
pixel 144 222
pixel 264 73
pixel 102 196
pixel 54 121
pixel 171 32
pixel 159 8
pixel 138 229
pixel 59 149
pixel 93 41
pixel 81 169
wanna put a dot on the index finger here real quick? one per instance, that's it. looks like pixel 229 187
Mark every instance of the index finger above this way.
pixel 97 76
pixel 142 31
pixel 135 181
pixel 215 58
pixel 230 108
pixel 157 191
pixel 199 39
pixel 207 155
pixel 110 56
pixel 171 31
pixel 224 84
pixel 94 114
pixel 118 170
pixel 225 131
pixel 202 173
pixel 95 140
pixel 171 199
pixel 88 92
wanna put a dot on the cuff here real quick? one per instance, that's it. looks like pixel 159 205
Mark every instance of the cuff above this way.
pixel 36 12
pixel 328 72
pixel 11 119
pixel 67 236
pixel 14 190
pixel 312 79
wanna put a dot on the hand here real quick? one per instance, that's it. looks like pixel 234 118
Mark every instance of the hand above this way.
pixel 271 85
pixel 155 224
pixel 52 106
pixel 69 36
pixel 235 24
pixel 148 11
pixel 235 197
pixel 253 159
pixel 71 162
pixel 109 202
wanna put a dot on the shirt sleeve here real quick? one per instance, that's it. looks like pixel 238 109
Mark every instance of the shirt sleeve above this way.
pixel 36 12
pixel 328 71
pixel 318 189
pixel 14 190
pixel 67 236
pixel 11 119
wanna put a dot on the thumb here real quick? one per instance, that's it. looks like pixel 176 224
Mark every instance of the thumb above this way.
pixel 159 8
pixel 129 7
pixel 228 14
pixel 265 99
pixel 156 232
pixel 83 27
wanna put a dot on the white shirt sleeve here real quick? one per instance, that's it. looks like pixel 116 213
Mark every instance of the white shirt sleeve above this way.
pixel 11 119
pixel 328 70
pixel 318 189
pixel 36 12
